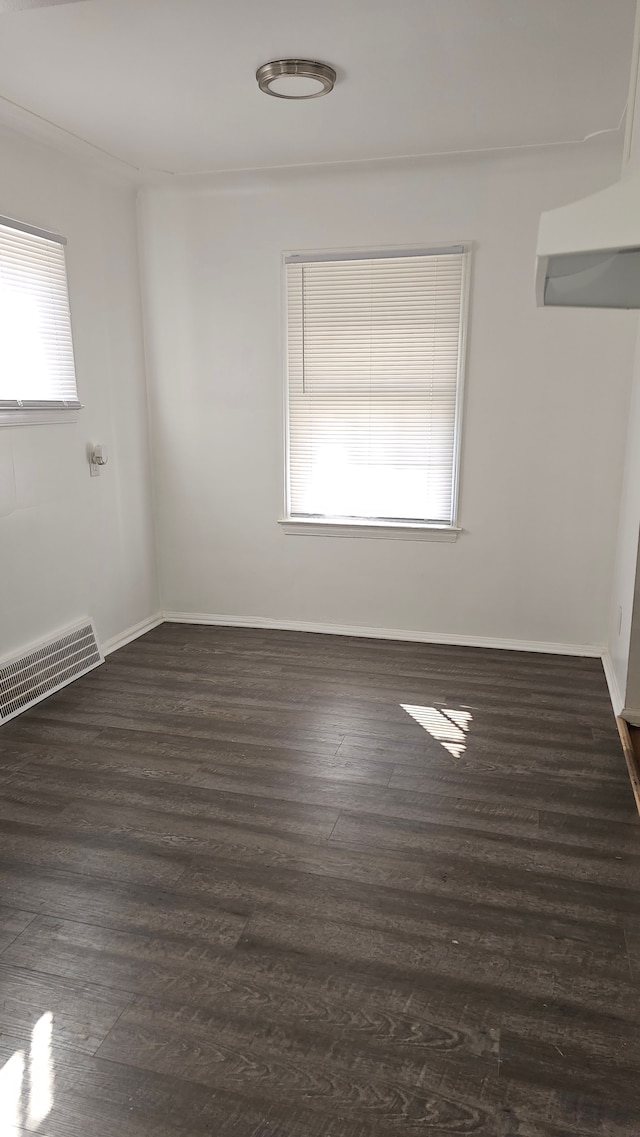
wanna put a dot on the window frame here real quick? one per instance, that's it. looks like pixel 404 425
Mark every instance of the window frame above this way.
pixel 43 415
pixel 370 527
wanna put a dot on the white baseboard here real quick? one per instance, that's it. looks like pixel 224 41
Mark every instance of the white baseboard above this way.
pixel 592 650
pixel 617 701
pixel 132 633
pixel 216 620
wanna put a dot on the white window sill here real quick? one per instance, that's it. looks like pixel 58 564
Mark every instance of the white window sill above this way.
pixel 36 418
pixel 399 531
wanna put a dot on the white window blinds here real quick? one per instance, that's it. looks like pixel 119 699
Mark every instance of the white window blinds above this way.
pixel 36 351
pixel 374 364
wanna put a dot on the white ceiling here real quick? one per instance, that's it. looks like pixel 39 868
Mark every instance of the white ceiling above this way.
pixel 169 84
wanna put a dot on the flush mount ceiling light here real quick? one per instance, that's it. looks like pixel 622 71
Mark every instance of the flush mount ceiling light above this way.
pixel 296 78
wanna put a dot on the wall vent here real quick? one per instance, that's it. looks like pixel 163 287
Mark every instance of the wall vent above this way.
pixel 34 674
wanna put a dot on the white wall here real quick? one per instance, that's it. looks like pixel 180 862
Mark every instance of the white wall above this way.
pixel 624 624
pixel 545 415
pixel 71 545
pixel 625 597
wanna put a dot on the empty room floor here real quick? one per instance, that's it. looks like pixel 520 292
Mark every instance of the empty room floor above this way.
pixel 273 884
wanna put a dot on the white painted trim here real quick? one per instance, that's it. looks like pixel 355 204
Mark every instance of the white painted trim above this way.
pixel 316 527
pixel 23 227
pixel 37 418
pixel 617 701
pixel 357 253
pixel 633 87
pixel 132 633
pixel 591 650
pixel 36 645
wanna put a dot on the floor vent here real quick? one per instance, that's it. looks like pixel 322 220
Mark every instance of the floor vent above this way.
pixel 28 678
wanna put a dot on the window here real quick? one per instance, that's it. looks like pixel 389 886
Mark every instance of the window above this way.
pixel 374 360
pixel 37 372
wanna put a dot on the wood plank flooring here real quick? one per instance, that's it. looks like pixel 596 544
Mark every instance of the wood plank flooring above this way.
pixel 260 898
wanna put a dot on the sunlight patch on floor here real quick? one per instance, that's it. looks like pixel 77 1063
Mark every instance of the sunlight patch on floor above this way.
pixel 37 1104
pixel 40 1072
pixel 447 726
pixel 11 1079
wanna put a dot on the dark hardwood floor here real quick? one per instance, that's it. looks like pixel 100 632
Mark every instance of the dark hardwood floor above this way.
pixel 260 898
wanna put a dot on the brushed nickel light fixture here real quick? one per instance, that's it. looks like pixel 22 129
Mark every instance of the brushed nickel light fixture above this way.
pixel 296 78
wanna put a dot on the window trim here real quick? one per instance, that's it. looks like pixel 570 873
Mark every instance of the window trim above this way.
pixel 51 417
pixel 32 230
pixel 19 414
pixel 370 527
pixel 397 530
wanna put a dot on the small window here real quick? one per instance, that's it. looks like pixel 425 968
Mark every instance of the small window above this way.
pixel 37 371
pixel 375 350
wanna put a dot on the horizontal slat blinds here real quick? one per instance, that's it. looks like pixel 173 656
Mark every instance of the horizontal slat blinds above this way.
pixel 37 369
pixel 373 365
